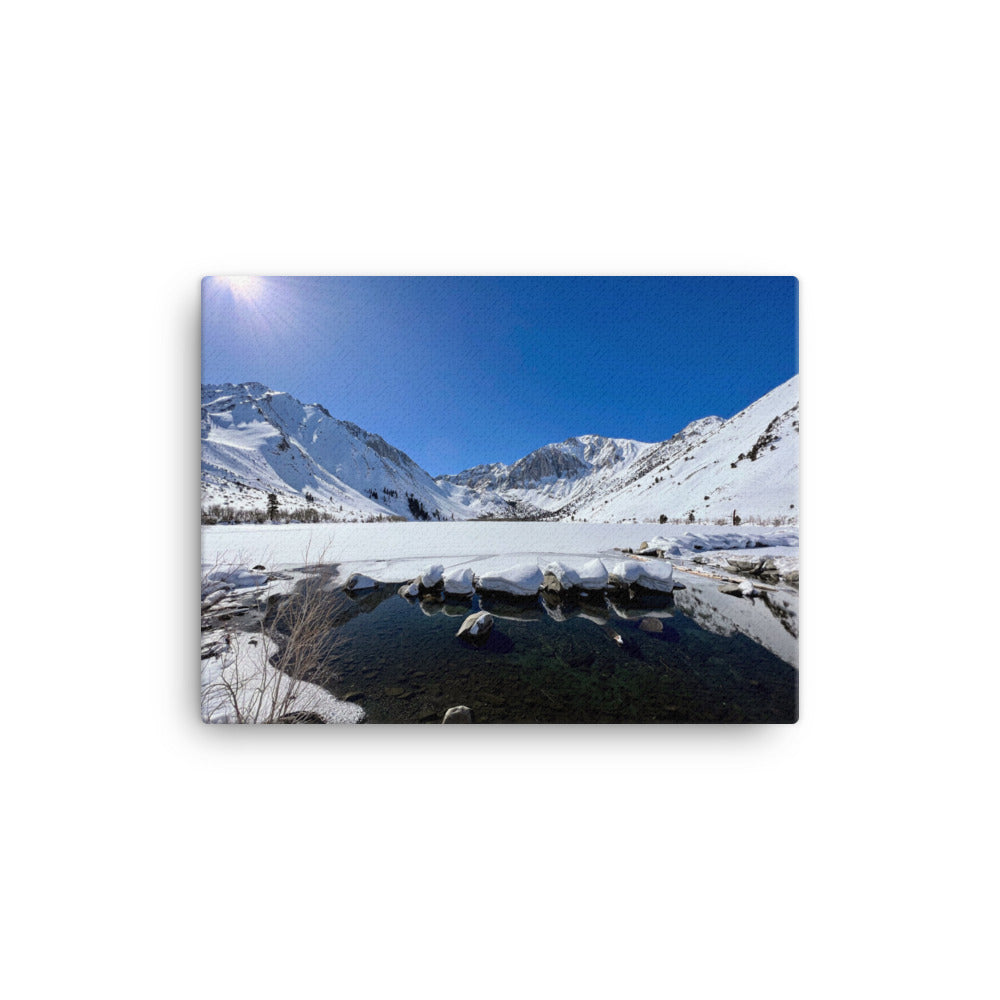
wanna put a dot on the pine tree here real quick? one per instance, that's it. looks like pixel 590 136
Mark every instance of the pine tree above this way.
pixel 272 506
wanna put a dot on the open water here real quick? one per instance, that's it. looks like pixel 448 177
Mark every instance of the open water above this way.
pixel 402 662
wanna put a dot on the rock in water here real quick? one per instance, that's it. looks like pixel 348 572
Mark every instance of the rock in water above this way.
pixel 651 625
pixel 460 713
pixel 746 564
pixel 477 625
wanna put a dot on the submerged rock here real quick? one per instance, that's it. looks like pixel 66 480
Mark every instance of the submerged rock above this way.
pixel 651 625
pixel 460 713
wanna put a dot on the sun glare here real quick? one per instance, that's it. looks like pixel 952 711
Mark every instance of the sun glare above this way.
pixel 243 287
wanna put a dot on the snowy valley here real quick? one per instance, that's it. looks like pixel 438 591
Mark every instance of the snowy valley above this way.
pixel 257 442
pixel 595 579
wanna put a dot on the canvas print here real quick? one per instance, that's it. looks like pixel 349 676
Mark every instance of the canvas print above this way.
pixel 499 500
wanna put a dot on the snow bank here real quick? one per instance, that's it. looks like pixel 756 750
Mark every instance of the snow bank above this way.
pixel 239 685
pixel 713 541
pixel 362 546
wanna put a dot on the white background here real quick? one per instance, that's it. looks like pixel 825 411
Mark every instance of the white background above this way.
pixel 851 145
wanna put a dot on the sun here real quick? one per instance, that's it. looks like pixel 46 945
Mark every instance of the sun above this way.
pixel 243 287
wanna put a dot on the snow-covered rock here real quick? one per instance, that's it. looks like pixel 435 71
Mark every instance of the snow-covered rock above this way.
pixel 459 581
pixel 657 576
pixel 625 573
pixel 431 577
pixel 592 575
pixel 652 574
pixel 523 580
pixel 556 577
pixel 358 581
pixel 458 713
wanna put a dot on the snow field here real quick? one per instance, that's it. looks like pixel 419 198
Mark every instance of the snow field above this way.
pixel 509 556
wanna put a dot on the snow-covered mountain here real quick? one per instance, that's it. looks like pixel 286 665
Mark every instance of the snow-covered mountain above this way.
pixel 748 463
pixel 712 467
pixel 255 442
pixel 554 476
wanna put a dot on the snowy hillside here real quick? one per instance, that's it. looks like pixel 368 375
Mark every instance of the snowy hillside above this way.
pixel 255 441
pixel 749 463
pixel 712 467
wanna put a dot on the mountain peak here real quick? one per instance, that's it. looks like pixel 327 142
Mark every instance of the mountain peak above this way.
pixel 256 441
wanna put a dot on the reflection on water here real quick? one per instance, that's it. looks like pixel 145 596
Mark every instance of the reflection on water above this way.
pixel 547 660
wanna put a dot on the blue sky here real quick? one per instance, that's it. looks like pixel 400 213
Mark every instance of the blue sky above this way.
pixel 462 371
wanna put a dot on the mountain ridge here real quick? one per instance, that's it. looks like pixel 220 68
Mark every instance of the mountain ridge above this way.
pixel 257 441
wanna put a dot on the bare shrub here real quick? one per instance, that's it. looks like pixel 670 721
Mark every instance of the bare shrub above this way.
pixel 276 672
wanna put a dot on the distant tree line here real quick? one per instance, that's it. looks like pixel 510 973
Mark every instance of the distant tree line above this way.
pixel 224 514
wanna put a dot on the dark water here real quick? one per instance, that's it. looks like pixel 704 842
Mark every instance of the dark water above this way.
pixel 402 662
